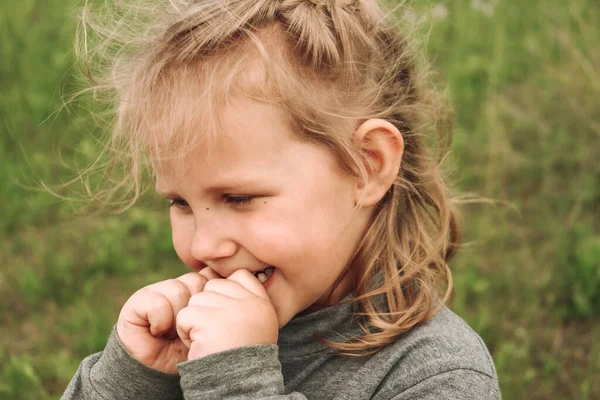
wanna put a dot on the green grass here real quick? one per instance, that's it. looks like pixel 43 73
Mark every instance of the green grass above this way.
pixel 525 84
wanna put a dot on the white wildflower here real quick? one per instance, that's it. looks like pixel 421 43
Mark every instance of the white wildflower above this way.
pixel 409 16
pixel 486 7
pixel 440 11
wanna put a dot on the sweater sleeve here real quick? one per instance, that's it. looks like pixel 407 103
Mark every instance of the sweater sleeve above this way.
pixel 115 374
pixel 458 384
pixel 251 372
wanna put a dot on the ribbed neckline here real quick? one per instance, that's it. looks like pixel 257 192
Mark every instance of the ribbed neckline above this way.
pixel 335 323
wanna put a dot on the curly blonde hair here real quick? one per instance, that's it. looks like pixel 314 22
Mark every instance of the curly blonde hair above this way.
pixel 328 65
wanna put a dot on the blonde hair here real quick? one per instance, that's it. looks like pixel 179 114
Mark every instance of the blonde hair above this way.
pixel 327 65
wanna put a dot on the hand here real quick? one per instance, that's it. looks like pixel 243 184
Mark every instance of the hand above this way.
pixel 227 314
pixel 146 324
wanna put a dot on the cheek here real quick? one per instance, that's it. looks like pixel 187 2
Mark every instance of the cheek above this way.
pixel 264 237
pixel 290 236
pixel 272 236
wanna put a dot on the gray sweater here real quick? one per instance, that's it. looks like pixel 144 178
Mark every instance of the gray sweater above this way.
pixel 441 359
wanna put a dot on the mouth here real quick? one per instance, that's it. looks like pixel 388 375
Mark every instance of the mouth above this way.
pixel 264 274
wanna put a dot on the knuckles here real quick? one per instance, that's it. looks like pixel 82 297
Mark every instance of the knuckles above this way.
pixel 196 280
pixel 186 316
pixel 178 289
pixel 157 303
pixel 197 299
pixel 212 285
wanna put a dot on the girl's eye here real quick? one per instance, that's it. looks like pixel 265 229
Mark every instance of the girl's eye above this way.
pixel 179 203
pixel 238 200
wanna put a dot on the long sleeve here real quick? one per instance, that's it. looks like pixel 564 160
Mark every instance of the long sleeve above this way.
pixel 459 384
pixel 252 372
pixel 114 374
pixel 440 359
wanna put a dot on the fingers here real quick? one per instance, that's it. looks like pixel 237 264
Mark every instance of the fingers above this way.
pixel 210 300
pixel 186 322
pixel 158 308
pixel 155 307
pixel 194 281
pixel 227 287
pixel 218 294
pixel 247 280
pixel 240 285
pixel 209 273
pixel 148 310
pixel 201 309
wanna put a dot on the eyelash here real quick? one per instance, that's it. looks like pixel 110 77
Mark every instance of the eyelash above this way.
pixel 237 201
pixel 179 203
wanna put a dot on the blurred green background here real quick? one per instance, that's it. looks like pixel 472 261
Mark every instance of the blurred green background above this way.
pixel 524 78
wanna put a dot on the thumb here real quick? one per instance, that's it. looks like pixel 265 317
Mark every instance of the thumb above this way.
pixel 246 279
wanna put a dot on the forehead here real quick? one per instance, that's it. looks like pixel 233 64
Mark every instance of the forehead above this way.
pixel 249 131
pixel 254 140
pixel 189 108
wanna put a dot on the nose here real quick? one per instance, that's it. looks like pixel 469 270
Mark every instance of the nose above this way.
pixel 211 243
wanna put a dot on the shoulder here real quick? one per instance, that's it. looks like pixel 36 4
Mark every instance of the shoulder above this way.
pixel 449 341
pixel 442 351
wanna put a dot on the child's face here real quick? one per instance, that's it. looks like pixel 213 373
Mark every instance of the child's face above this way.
pixel 266 199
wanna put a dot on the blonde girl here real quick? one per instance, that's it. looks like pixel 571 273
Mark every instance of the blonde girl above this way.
pixel 291 139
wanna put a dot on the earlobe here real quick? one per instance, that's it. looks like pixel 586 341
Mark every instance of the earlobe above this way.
pixel 382 146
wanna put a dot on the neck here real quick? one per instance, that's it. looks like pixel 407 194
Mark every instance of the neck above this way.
pixel 335 294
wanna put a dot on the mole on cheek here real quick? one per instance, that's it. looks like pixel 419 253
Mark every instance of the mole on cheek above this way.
pixel 207 208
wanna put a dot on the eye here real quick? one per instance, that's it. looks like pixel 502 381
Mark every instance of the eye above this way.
pixel 238 201
pixel 179 203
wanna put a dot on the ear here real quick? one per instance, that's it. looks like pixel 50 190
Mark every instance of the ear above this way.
pixel 382 146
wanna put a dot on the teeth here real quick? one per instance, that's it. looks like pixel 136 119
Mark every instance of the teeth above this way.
pixel 264 274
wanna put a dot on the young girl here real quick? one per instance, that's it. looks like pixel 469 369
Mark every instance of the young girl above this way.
pixel 290 138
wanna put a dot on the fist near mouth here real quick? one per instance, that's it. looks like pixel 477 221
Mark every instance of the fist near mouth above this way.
pixel 197 314
pixel 147 322
pixel 227 314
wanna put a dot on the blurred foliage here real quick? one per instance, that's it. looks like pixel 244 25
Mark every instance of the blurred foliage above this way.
pixel 524 79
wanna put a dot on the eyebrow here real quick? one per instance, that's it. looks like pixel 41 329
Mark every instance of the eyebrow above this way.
pixel 233 186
